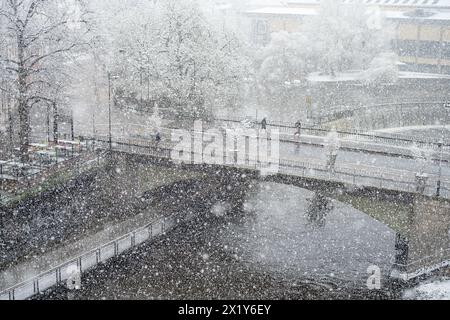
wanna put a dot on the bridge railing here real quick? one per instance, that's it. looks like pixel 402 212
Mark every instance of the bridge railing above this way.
pixel 87 261
pixel 399 115
pixel 421 266
pixel 290 128
pixel 390 179
pixel 356 135
pixel 397 150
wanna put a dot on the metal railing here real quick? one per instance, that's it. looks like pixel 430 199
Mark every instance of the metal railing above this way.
pixel 390 179
pixel 421 266
pixel 24 183
pixel 87 261
pixel 25 171
pixel 322 130
pixel 287 135
pixel 355 135
pixel 328 114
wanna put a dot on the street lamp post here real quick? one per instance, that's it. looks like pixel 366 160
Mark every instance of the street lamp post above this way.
pixel 441 151
pixel 109 113
pixel 110 78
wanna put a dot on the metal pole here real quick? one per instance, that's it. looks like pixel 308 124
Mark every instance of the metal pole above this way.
pixel 10 125
pixel 441 147
pixel 438 191
pixel 72 129
pixel 148 87
pixel 55 123
pixel 109 111
pixel 141 85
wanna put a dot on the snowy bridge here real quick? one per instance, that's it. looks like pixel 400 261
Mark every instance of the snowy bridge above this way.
pixel 362 164
pixel 423 250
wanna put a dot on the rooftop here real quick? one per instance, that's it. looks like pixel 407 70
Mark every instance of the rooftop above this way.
pixel 392 3
pixel 432 15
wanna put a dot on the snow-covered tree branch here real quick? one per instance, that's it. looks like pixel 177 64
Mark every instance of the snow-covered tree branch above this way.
pixel 38 34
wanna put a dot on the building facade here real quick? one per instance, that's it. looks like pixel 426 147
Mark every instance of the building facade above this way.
pixel 421 37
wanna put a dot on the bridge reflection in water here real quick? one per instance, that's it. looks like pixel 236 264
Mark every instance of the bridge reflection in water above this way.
pixel 282 233
pixel 322 237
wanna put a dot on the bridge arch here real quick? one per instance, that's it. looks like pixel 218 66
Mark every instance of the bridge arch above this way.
pixel 422 223
pixel 402 206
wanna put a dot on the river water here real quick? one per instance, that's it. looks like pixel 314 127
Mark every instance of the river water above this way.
pixel 274 248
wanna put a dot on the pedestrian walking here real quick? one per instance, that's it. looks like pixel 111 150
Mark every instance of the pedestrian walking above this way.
pixel 298 126
pixel 264 124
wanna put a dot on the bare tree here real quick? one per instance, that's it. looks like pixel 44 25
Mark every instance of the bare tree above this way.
pixel 37 33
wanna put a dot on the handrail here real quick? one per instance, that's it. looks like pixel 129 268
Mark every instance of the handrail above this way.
pixel 31 180
pixel 163 152
pixel 164 223
pixel 320 131
pixel 304 140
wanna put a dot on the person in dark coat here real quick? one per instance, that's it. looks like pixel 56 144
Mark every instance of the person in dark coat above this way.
pixel 264 124
pixel 298 125
pixel 158 138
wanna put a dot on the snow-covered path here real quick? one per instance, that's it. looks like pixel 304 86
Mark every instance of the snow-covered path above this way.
pixel 68 251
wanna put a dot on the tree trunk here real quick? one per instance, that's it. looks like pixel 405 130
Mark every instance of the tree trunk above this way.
pixel 55 123
pixel 23 109
pixel 10 128
pixel 72 129
pixel 24 132
pixel 48 123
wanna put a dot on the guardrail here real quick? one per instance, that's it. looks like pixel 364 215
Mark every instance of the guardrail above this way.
pixel 355 135
pixel 87 261
pixel 392 179
pixel 329 114
pixel 420 267
pixel 341 174
pixel 320 130
pixel 13 167
pixel 287 135
pixel 23 184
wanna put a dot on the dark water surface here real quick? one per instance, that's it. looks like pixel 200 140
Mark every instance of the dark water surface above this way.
pixel 271 250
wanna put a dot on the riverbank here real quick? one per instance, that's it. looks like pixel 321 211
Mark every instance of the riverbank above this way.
pixel 79 208
pixel 266 250
pixel 168 192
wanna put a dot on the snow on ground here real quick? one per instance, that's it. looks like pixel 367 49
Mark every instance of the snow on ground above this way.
pixel 432 290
